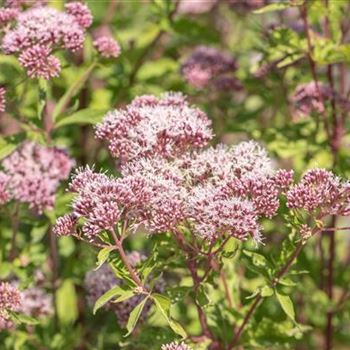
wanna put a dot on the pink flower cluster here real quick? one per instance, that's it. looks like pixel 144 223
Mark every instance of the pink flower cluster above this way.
pixel 168 180
pixel 209 65
pixel 107 46
pixel 99 282
pixel 2 99
pixel 167 126
pixel 36 302
pixel 307 98
pixel 10 300
pixel 7 15
pixel 40 30
pixel 32 173
pixel 320 190
pixel 176 346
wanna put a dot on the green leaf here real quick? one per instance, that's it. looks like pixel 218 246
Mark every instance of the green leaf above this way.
pixel 21 318
pixel 266 291
pixel 134 316
pixel 67 302
pixel 272 7
pixel 72 91
pixel 102 256
pixel 177 328
pixel 163 305
pixel 84 116
pixel 43 92
pixel 106 297
pixel 7 147
pixel 286 304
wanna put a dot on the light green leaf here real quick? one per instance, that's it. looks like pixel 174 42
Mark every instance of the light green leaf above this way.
pixel 67 308
pixel 6 149
pixel 134 316
pixel 177 328
pixel 163 305
pixel 286 304
pixel 72 91
pixel 43 94
pixel 84 116
pixel 266 291
pixel 272 7
pixel 21 318
pixel 102 256
pixel 106 297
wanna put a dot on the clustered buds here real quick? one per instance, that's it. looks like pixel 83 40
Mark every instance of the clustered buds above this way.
pixel 320 190
pixel 311 98
pixel 167 126
pixel 107 46
pixel 7 15
pixel 176 346
pixel 32 173
pixel 40 30
pixel 10 300
pixel 209 65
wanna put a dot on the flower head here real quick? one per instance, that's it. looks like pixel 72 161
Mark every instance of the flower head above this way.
pixel 176 346
pixel 7 15
pixel 41 30
pixel 107 46
pixel 167 126
pixel 35 173
pixel 10 300
pixel 321 190
pixel 39 62
pixel 207 64
pixel 80 12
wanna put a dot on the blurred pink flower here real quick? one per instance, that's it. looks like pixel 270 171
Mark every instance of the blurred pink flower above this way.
pixel 10 300
pixel 7 15
pixel 35 173
pixel 80 12
pixel 107 46
pixel 208 64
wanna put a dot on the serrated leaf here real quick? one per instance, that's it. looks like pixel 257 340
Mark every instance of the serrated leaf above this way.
pixel 134 316
pixel 102 256
pixel 106 297
pixel 84 116
pixel 286 304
